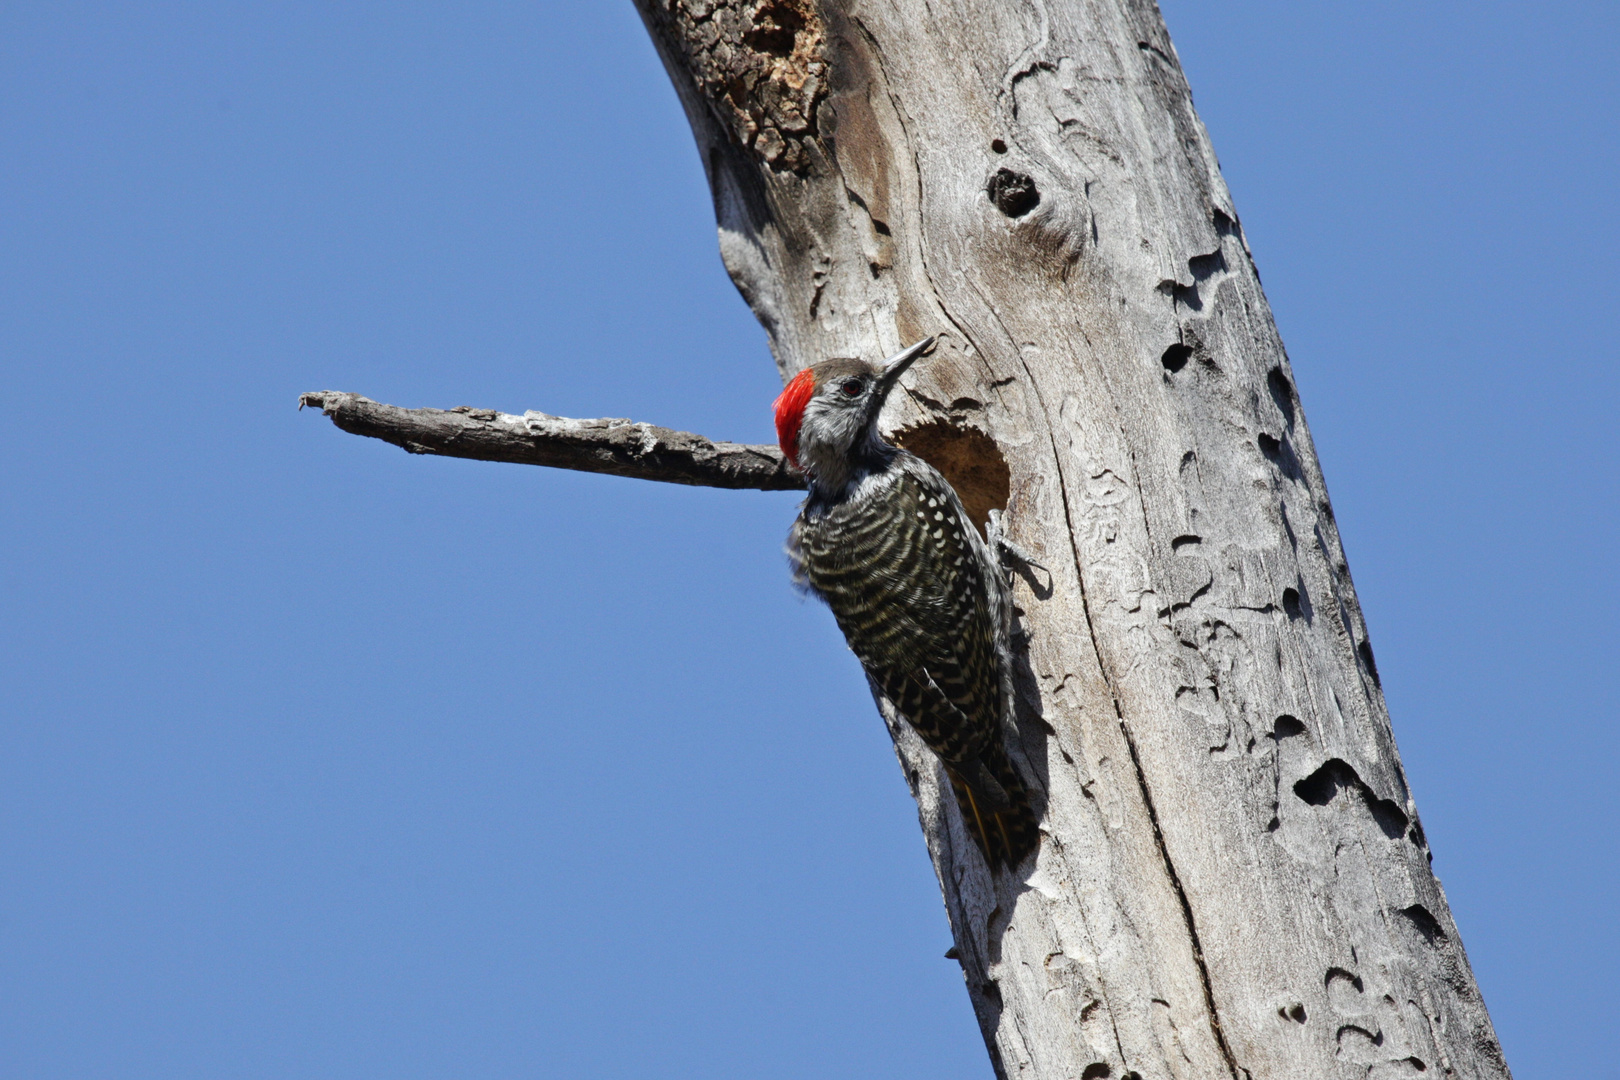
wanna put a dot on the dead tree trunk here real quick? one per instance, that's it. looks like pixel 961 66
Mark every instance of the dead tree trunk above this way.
pixel 1233 880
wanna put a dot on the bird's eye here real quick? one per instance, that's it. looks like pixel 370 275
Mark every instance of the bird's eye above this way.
pixel 853 387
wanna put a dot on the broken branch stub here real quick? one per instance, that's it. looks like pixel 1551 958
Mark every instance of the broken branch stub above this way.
pixel 613 446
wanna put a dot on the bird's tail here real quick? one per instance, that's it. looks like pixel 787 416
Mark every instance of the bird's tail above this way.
pixel 1006 834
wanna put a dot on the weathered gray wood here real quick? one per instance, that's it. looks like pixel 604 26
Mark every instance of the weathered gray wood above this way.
pixel 618 447
pixel 1234 881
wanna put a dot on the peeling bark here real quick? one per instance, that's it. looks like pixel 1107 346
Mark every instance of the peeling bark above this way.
pixel 760 65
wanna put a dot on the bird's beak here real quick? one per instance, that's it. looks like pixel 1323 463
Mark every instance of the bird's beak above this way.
pixel 895 365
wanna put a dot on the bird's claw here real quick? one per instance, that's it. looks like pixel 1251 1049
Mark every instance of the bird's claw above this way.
pixel 1004 544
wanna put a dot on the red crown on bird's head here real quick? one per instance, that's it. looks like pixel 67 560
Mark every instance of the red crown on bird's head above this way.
pixel 790 413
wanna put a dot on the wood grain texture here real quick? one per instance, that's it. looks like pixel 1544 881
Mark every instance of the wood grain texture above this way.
pixel 617 447
pixel 1234 880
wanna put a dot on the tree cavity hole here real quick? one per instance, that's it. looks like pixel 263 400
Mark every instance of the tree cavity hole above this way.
pixel 968 458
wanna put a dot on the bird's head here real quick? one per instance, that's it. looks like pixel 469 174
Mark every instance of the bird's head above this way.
pixel 826 418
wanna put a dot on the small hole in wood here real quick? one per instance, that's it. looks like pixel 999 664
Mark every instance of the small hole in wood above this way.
pixel 1282 392
pixel 1364 650
pixel 1425 922
pixel 1286 727
pixel 1014 193
pixel 1290 599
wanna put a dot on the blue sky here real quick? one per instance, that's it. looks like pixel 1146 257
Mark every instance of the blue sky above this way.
pixel 321 760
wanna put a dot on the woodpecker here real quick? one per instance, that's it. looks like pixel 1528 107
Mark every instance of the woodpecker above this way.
pixel 922 601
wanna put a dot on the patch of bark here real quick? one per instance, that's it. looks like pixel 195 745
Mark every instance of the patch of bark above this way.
pixel 760 64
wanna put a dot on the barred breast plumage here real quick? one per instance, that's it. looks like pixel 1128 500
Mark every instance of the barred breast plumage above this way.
pixel 908 581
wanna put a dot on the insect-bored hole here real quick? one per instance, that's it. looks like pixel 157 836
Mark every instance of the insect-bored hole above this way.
pixel 968 458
